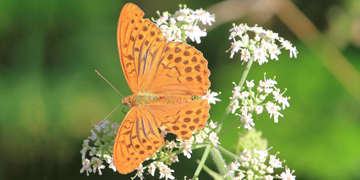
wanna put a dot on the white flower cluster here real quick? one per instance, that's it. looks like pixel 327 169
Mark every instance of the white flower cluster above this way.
pixel 168 156
pixel 103 139
pixel 102 149
pixel 183 24
pixel 254 101
pixel 261 47
pixel 165 171
pixel 256 165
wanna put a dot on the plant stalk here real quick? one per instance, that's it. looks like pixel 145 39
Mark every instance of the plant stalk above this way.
pixel 202 162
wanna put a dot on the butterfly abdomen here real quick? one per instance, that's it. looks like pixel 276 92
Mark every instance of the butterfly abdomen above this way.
pixel 155 99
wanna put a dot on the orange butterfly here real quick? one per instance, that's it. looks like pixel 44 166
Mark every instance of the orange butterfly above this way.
pixel 164 77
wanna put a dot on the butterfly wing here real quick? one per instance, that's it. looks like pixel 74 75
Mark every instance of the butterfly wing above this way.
pixel 182 70
pixel 140 43
pixel 137 139
pixel 180 119
pixel 150 64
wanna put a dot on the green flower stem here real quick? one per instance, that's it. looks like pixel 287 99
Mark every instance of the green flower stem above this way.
pixel 241 84
pixel 237 120
pixel 226 152
pixel 219 162
pixel 202 162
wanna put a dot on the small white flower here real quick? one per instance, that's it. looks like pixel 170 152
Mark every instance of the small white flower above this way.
pixel 186 146
pixel 171 144
pixel 212 125
pixel 262 154
pixel 245 55
pixel 165 171
pixel 274 51
pixel 269 177
pixel 259 109
pixel 293 52
pixel 190 19
pixel 240 176
pixel 206 130
pixel 286 44
pixel 162 18
pixel 199 139
pixel 235 47
pixel 244 94
pixel 267 83
pixel 85 148
pixel 234 106
pixel 108 158
pixel 234 166
pixel 204 16
pixel 236 92
pixel 86 167
pixel 287 175
pixel 214 139
pixel 280 99
pixel 249 173
pixel 244 110
pixel 152 169
pixel 211 97
pixel 245 164
pixel 273 109
pixel 270 169
pixel 271 35
pixel 194 33
pixel 250 84
pixel 112 166
pixel 174 158
pixel 276 163
pixel 245 155
pixel 247 120
pixel 140 171
pixel 260 56
pixel 97 165
pixel 258 30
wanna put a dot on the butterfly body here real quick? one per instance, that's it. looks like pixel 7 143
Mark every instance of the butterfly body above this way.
pixel 165 78
pixel 155 99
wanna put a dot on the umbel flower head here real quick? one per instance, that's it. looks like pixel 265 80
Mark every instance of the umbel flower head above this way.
pixel 183 24
pixel 253 101
pixel 265 44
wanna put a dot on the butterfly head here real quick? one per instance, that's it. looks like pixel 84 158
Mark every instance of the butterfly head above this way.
pixel 127 101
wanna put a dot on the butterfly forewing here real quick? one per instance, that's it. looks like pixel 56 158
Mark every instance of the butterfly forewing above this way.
pixel 182 70
pixel 129 18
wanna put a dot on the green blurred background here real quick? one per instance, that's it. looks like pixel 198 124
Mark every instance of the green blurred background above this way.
pixel 50 95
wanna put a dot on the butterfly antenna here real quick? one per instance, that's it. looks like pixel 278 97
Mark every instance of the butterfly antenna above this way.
pixel 110 85
pixel 108 115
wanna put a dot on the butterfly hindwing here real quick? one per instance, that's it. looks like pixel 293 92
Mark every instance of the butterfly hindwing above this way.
pixel 137 139
pixel 181 119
